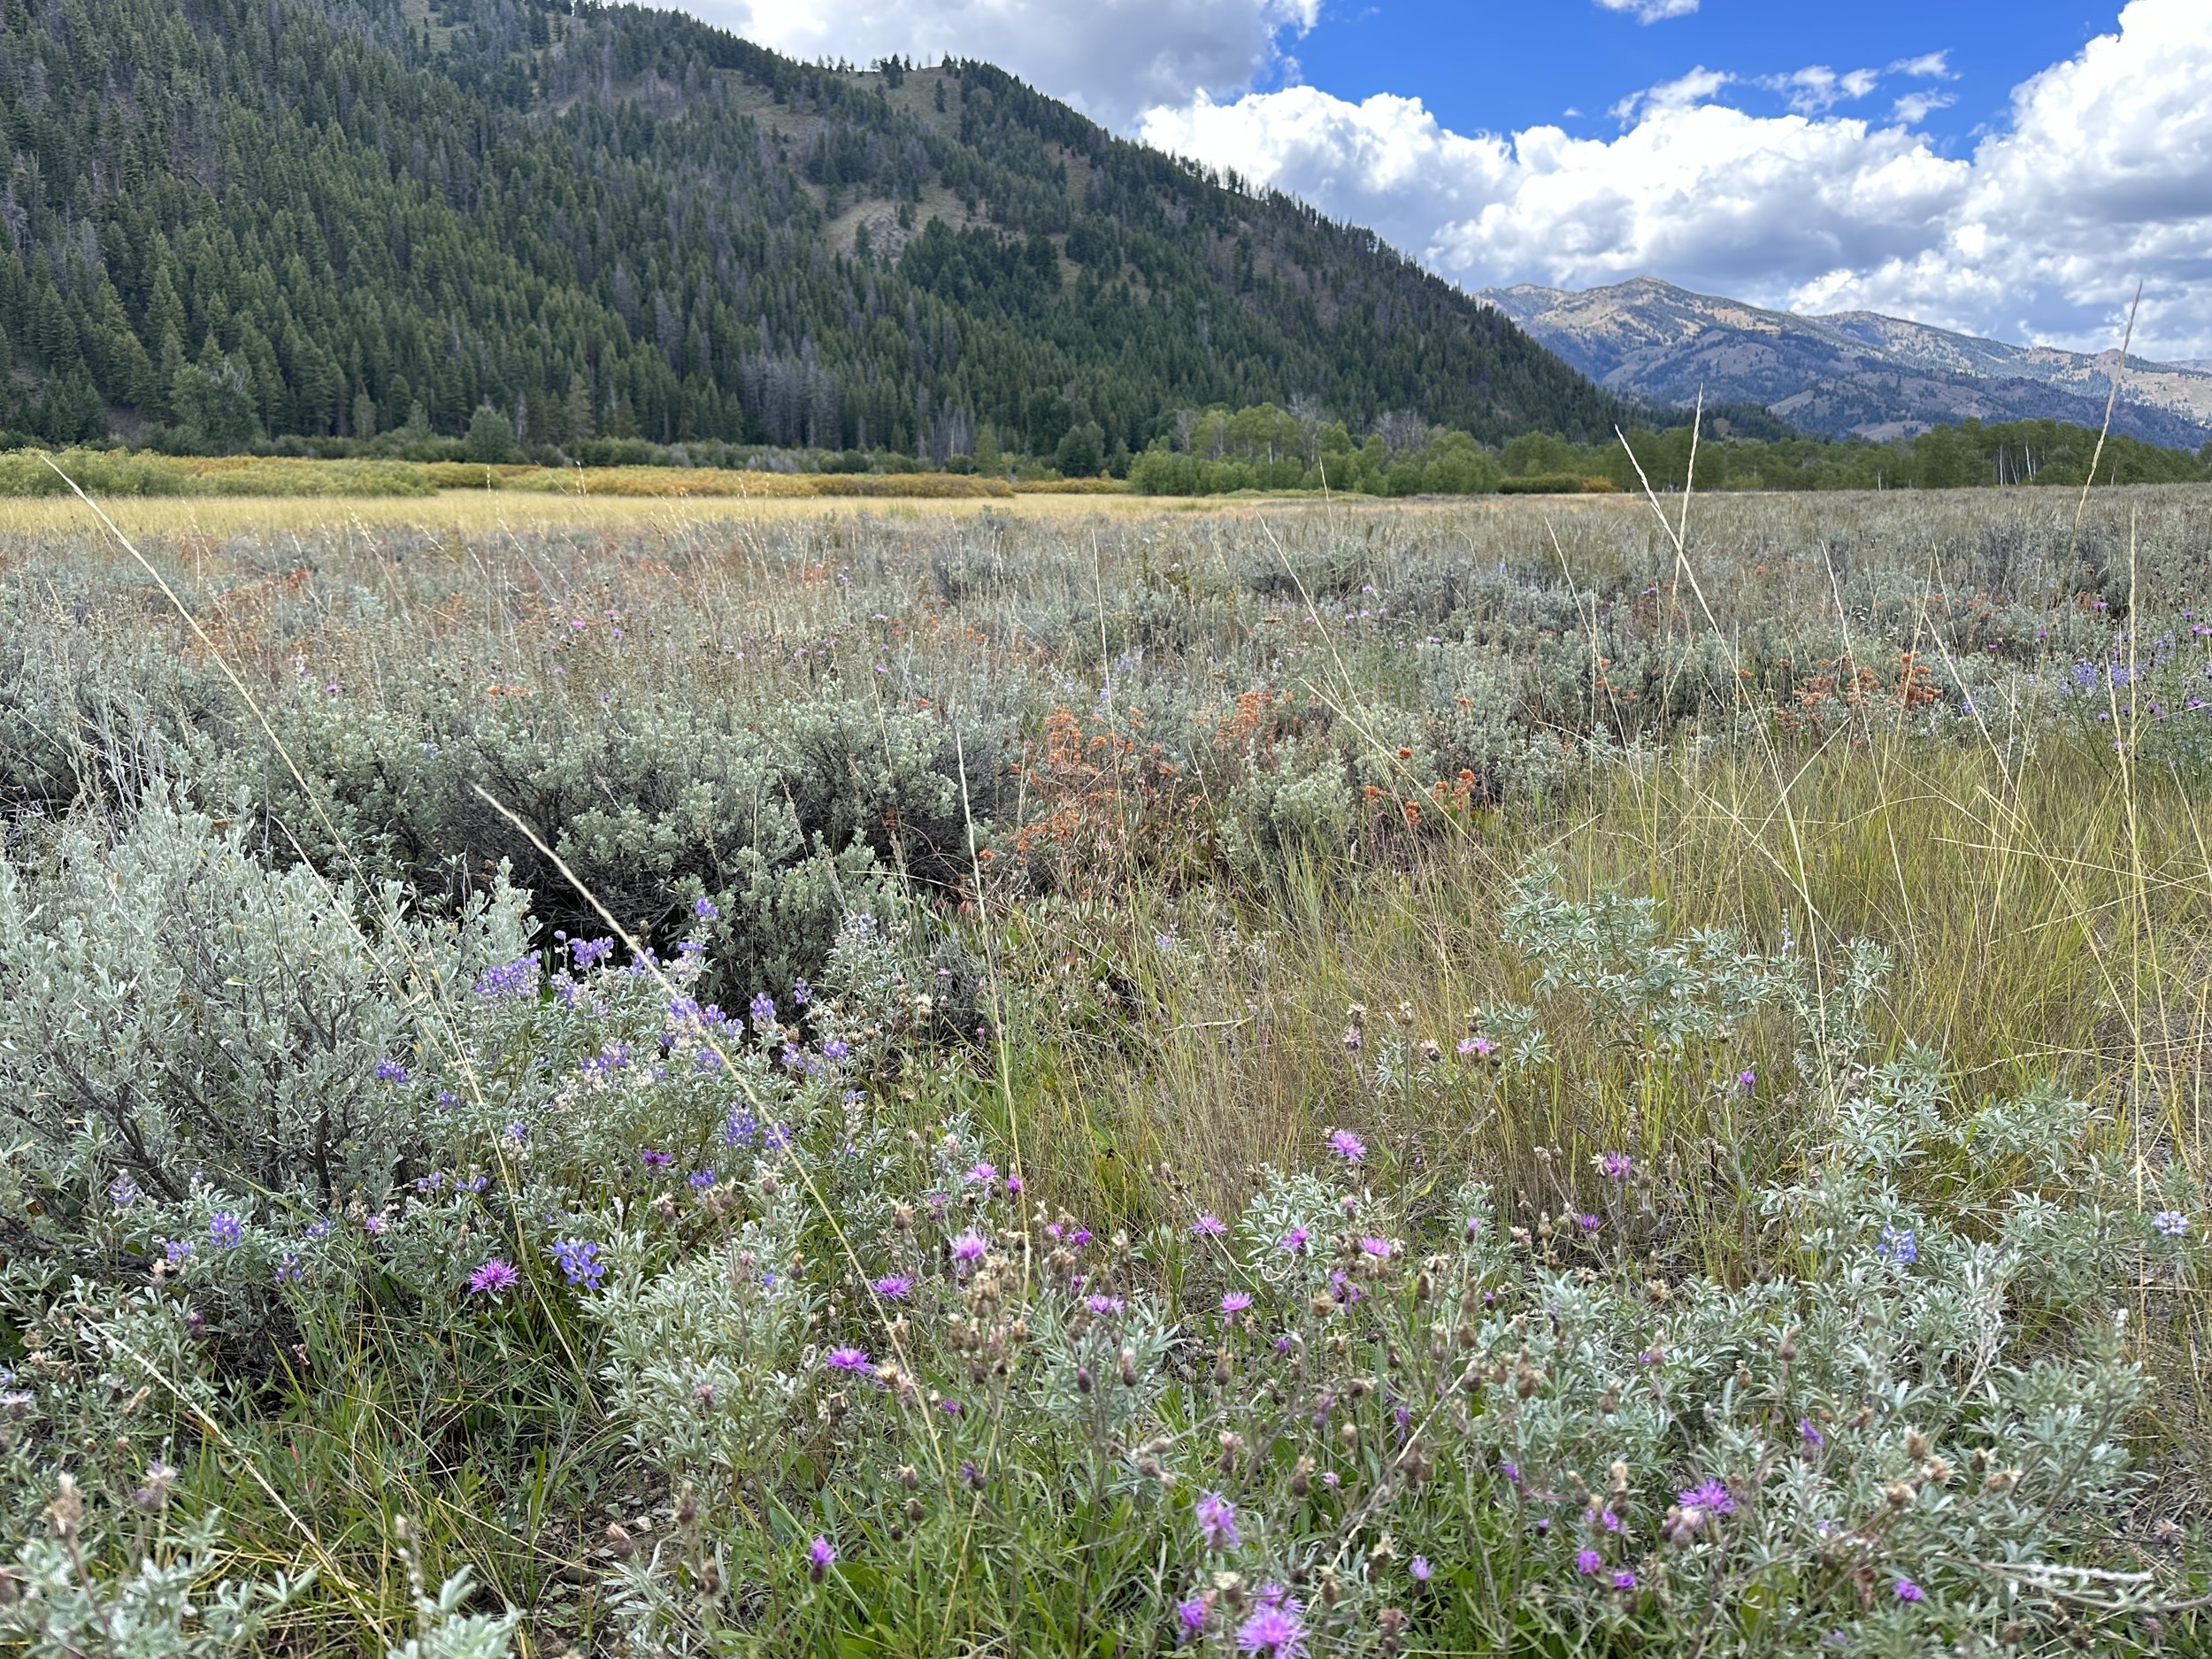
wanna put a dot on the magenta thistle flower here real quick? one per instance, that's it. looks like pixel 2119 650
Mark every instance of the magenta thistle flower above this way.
pixel 1235 1302
pixel 1218 1521
pixel 1616 1166
pixel 982 1175
pixel 1710 1495
pixel 846 1359
pixel 1190 1617
pixel 492 1278
pixel 1102 1304
pixel 1379 1248
pixel 1208 1226
pixel 819 1554
pixel 1275 1632
pixel 1420 1569
pixel 893 1287
pixel 1294 1240
pixel 1624 1579
pixel 1348 1145
pixel 1908 1591
pixel 1813 1437
pixel 1587 1562
pixel 1747 1079
pixel 968 1247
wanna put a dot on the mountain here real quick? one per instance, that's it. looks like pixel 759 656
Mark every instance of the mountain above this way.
pixel 230 219
pixel 1852 374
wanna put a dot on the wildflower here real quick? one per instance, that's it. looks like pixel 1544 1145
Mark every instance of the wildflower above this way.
pixel 1377 1248
pixel 1419 1568
pixel 373 1226
pixel 579 1260
pixel 289 1271
pixel 1609 1521
pixel 123 1192
pixel 518 1131
pixel 700 1179
pixel 1587 1562
pixel 2171 1224
pixel 1811 1435
pixel 1235 1302
pixel 226 1229
pixel 1013 1186
pixel 1275 1631
pixel 1348 1145
pixel 656 1160
pixel 492 1278
pixel 893 1287
pixel 1747 1079
pixel 738 1129
pixel 1102 1304
pixel 968 1247
pixel 1218 1521
pixel 1616 1166
pixel 763 1008
pixel 391 1072
pixel 1710 1495
pixel 1476 1047
pixel 1351 1039
pixel 1294 1242
pixel 846 1359
pixel 176 1250
pixel 1908 1591
pixel 819 1554
pixel 1624 1579
pixel 801 992
pixel 981 1174
pixel 1589 1224
pixel 1208 1226
pixel 1190 1618
pixel 837 1050
pixel 588 951
pixel 508 980
pixel 703 908
pixel 1897 1246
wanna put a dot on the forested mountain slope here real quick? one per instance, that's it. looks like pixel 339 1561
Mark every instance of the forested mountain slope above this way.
pixel 226 220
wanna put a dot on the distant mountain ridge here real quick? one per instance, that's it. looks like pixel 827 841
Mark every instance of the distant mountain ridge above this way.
pixel 1852 374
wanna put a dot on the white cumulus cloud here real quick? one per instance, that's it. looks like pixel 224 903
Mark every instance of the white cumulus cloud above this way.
pixel 1651 10
pixel 2101 174
pixel 1111 59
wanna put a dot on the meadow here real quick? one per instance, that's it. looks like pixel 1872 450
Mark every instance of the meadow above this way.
pixel 1075 1075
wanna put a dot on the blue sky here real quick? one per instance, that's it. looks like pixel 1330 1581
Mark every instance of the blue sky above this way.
pixel 2007 169
pixel 1492 66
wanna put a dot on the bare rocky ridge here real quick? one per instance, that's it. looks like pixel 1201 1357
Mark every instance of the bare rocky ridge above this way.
pixel 1852 374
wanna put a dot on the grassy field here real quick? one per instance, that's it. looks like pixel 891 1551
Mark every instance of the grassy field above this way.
pixel 1057 1075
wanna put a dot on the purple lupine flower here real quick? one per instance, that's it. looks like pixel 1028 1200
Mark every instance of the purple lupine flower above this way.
pixel 1897 1246
pixel 226 1230
pixel 508 980
pixel 1218 1521
pixel 588 951
pixel 1908 1591
pixel 2171 1224
pixel 738 1129
pixel 391 1072
pixel 123 1192
pixel 1235 1302
pixel 801 992
pixel 846 1359
pixel 1348 1145
pixel 492 1278
pixel 288 1268
pixel 837 1050
pixel 704 909
pixel 176 1250
pixel 518 1131
pixel 699 1180
pixel 1208 1226
pixel 1711 1494
pixel 763 1008
pixel 1587 1562
pixel 1274 1630
pixel 579 1260
pixel 893 1287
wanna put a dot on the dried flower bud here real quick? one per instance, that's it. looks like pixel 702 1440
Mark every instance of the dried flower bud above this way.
pixel 686 1507
pixel 909 1477
pixel 1915 1445
pixel 2000 1481
pixel 1302 1478
pixel 1082 1379
pixel 914 1510
pixel 619 1542
pixel 1898 1494
pixel 1331 1592
pixel 1939 1470
pixel 65 1513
